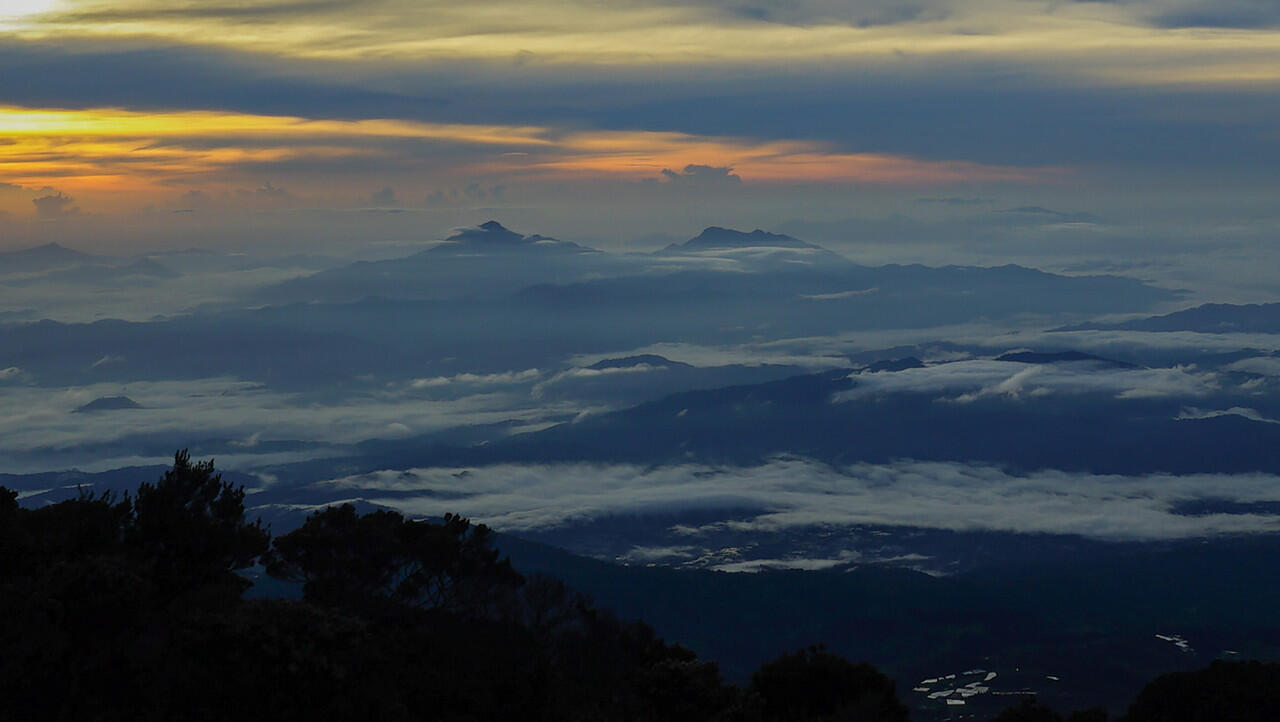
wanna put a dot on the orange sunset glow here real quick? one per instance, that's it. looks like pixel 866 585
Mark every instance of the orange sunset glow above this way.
pixel 113 107
pixel 111 151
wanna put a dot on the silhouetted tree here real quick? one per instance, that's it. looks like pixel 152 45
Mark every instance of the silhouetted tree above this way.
pixel 350 561
pixel 813 684
pixel 131 610
pixel 550 608
pixel 12 541
pixel 190 526
pixel 72 530
pixel 94 592
pixel 1222 692
pixel 287 660
pixel 1028 710
pixel 682 688
pixel 72 602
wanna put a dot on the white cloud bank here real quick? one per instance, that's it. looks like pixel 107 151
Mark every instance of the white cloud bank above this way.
pixel 1260 365
pixel 790 493
pixel 1241 411
pixel 506 378
pixel 13 374
pixel 33 418
pixel 965 381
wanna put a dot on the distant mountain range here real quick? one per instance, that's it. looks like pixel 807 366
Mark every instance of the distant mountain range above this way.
pixel 143 268
pixel 57 263
pixel 465 307
pixel 1208 318
pixel 491 261
pixel 42 258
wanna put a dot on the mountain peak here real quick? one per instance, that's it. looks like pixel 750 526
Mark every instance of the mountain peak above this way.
pixel 715 237
pixel 108 403
pixel 45 249
pixel 489 233
pixel 646 359
pixel 41 258
pixel 1037 357
pixel 757 237
pixel 492 234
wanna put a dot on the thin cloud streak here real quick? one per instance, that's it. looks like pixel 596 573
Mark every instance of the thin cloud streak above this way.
pixel 1094 38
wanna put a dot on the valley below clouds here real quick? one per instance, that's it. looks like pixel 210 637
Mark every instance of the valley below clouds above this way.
pixel 737 401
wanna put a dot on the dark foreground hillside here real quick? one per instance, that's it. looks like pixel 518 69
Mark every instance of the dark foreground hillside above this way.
pixel 1078 633
pixel 133 607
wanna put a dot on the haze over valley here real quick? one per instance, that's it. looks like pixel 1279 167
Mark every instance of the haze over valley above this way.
pixel 948 334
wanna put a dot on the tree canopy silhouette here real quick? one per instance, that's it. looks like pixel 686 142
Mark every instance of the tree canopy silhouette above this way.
pixel 1032 710
pixel 191 526
pixel 813 684
pixel 96 593
pixel 351 561
pixel 132 609
pixel 1222 692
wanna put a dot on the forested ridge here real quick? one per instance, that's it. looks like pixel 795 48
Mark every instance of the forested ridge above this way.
pixel 133 607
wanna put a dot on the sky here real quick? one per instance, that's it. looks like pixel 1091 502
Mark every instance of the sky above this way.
pixel 157 123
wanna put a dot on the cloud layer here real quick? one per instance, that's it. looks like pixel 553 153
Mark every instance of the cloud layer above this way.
pixel 37 421
pixel 789 494
pixel 966 381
